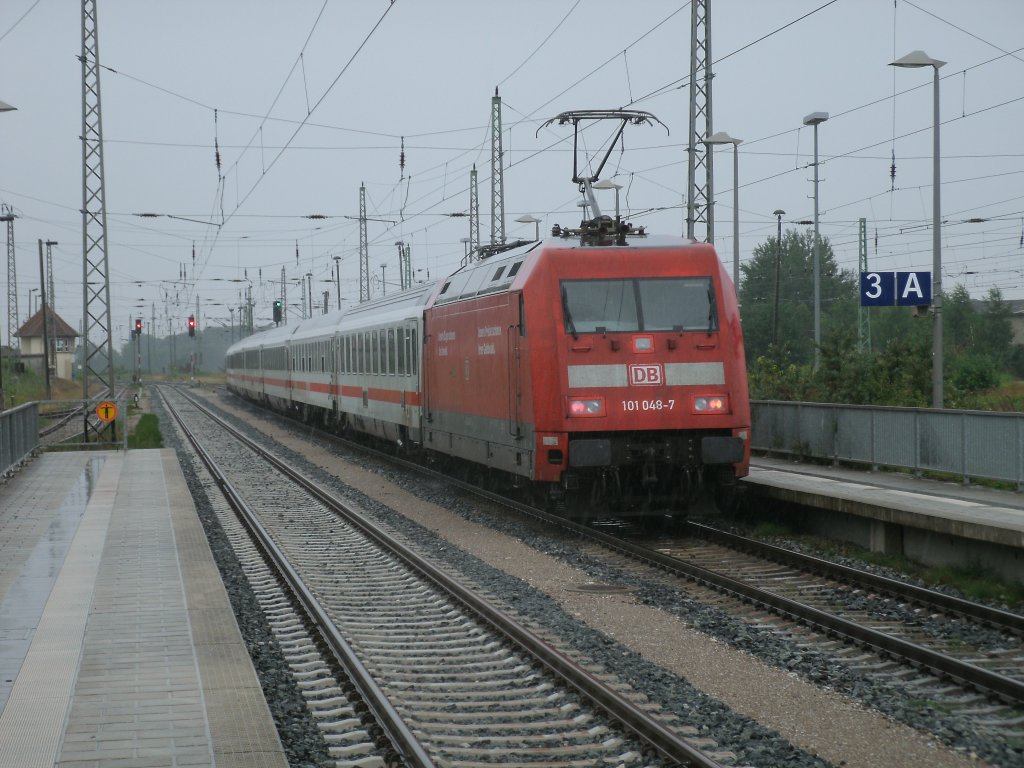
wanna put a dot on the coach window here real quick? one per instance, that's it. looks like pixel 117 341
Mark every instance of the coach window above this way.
pixel 400 350
pixel 374 357
pixel 415 355
pixel 391 351
pixel 359 352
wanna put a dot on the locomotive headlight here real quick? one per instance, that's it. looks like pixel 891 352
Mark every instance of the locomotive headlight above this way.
pixel 711 404
pixel 587 407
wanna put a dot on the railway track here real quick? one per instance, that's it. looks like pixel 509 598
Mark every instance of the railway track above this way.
pixel 444 675
pixel 938 653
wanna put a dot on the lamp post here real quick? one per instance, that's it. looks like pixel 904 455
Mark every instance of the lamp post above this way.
pixel 816 119
pixel 337 277
pixel 778 213
pixel 724 138
pixel 914 60
pixel 528 218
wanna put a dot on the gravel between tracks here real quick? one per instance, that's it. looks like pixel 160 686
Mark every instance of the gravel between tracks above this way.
pixel 768 716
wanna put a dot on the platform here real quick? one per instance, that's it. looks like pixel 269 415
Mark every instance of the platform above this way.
pixel 118 646
pixel 931 521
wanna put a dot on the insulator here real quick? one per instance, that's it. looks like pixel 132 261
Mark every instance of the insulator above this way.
pixel 401 157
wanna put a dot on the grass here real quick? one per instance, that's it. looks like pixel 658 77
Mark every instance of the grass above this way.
pixel 146 433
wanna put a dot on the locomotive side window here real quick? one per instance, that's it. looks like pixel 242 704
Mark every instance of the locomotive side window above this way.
pixel 515 268
pixel 644 304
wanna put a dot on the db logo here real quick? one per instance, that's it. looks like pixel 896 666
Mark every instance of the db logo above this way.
pixel 646 375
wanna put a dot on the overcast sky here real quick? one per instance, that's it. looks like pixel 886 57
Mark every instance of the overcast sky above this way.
pixel 307 99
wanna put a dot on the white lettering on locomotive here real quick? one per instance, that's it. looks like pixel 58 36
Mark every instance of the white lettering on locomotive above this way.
pixel 490 330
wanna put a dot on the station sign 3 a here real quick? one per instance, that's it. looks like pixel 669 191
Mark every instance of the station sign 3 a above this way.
pixel 900 289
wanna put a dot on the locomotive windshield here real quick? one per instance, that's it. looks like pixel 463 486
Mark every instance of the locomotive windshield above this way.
pixel 639 304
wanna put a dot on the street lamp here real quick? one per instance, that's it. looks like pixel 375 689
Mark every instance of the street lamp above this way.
pixel 528 218
pixel 724 138
pixel 779 213
pixel 914 60
pixel 815 119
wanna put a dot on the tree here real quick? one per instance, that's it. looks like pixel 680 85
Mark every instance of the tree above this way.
pixel 996 329
pixel 795 318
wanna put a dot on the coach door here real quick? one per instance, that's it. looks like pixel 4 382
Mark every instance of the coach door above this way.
pixel 514 333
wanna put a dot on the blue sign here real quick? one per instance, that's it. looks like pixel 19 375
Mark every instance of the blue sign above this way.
pixel 913 289
pixel 903 289
pixel 877 289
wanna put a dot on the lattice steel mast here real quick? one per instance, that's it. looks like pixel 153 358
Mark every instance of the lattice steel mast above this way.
pixel 49 274
pixel 364 249
pixel 474 214
pixel 497 177
pixel 864 315
pixel 12 278
pixel 699 167
pixel 98 349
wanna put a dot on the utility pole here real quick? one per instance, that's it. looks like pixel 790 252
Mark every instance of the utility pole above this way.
pixel 149 338
pixel 364 249
pixel 98 357
pixel 699 166
pixel 497 174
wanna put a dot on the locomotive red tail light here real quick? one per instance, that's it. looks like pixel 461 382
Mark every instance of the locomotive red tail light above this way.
pixel 711 404
pixel 587 407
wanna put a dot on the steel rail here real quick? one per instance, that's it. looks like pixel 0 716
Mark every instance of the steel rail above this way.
pixel 398 733
pixel 667 743
pixel 1006 688
pixel 996 617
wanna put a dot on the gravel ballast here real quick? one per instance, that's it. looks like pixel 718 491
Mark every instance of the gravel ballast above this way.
pixel 684 658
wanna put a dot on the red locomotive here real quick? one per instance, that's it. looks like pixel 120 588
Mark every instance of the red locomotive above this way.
pixel 601 370
pixel 609 376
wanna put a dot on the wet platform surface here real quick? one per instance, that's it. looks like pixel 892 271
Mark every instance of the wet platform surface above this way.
pixel 118 646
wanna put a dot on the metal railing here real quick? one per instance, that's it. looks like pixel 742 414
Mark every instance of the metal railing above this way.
pixel 19 436
pixel 968 444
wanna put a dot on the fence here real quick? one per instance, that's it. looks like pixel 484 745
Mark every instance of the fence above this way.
pixel 19 436
pixel 969 444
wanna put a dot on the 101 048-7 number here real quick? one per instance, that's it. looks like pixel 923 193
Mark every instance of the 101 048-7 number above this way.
pixel 631 406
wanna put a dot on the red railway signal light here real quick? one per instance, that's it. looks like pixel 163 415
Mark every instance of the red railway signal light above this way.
pixel 191 325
